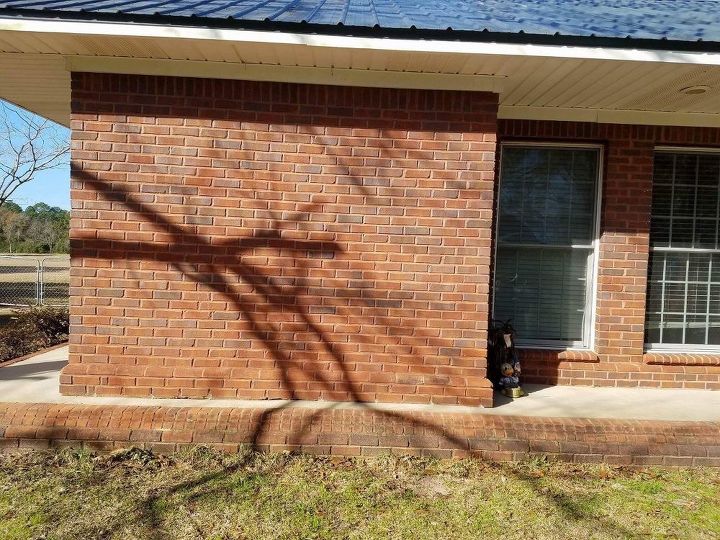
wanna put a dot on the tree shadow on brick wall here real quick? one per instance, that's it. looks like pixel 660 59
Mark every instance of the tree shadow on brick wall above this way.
pixel 280 296
pixel 277 295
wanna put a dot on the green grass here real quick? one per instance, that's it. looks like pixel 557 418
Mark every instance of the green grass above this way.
pixel 203 494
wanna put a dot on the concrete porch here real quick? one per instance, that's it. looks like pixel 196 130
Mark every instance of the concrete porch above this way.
pixel 36 380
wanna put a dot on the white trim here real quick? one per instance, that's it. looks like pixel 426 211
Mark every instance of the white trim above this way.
pixel 662 249
pixel 297 74
pixel 609 116
pixel 687 149
pixel 588 342
pixel 108 29
pixel 596 252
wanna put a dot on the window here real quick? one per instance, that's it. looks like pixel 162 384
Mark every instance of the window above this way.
pixel 546 232
pixel 683 299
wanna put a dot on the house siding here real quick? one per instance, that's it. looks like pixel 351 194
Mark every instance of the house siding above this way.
pixel 235 239
pixel 617 357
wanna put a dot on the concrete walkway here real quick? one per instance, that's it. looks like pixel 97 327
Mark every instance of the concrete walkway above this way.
pixel 36 380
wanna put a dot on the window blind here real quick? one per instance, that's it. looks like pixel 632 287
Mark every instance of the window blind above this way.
pixel 683 298
pixel 546 229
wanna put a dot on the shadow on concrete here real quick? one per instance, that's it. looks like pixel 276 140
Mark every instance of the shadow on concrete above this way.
pixel 28 369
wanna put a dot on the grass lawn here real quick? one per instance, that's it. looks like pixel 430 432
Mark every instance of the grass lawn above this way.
pixel 203 494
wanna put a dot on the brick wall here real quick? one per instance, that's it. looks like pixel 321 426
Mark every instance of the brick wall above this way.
pixel 266 240
pixel 618 359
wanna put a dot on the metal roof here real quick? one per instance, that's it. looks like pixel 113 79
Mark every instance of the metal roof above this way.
pixel 678 21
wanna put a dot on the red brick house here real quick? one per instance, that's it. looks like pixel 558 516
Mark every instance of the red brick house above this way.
pixel 331 201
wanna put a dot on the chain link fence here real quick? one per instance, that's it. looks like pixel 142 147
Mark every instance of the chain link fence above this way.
pixel 34 280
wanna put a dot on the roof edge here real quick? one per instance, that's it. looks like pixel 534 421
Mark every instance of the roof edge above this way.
pixel 483 36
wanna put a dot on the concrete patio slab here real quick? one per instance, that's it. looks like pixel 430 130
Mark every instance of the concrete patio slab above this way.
pixel 36 380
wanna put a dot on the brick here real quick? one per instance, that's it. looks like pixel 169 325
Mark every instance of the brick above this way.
pixel 616 442
pixel 145 435
pixel 617 358
pixel 268 240
pixel 334 228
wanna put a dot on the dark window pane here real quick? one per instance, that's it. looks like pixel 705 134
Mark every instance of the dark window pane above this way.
pixel 543 291
pixel 685 169
pixel 652 328
pixel 715 268
pixel 714 331
pixel 695 329
pixel 674 298
pixel 707 202
pixel 709 171
pixel 662 200
pixel 547 196
pixel 705 231
pixel 682 233
pixel 656 265
pixel 672 329
pixel 697 297
pixel 675 266
pixel 663 168
pixel 683 292
pixel 683 202
pixel 686 200
pixel 547 199
pixel 660 232
pixel 715 299
pixel 698 267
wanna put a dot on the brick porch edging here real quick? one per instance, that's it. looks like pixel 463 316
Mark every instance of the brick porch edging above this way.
pixel 359 431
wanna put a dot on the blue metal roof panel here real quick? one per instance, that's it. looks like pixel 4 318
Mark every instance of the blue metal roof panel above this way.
pixel 681 20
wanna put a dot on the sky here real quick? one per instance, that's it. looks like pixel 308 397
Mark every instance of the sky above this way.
pixel 51 187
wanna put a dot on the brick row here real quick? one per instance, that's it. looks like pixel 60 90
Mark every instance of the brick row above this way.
pixel 361 431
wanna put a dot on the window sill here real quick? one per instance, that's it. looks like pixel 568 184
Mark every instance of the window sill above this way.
pixel 565 355
pixel 681 359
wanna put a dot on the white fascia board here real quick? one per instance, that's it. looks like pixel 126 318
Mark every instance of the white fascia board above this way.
pixel 608 116
pixel 107 29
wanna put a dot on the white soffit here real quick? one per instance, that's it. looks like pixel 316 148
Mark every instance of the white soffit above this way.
pixel 534 82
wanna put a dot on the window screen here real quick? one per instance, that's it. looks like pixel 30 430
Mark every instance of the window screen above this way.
pixel 683 300
pixel 545 249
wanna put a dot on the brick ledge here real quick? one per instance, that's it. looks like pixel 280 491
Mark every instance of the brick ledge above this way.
pixel 681 359
pixel 565 355
pixel 361 432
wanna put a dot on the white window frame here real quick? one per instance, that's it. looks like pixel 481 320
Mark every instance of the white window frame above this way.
pixel 680 347
pixel 588 341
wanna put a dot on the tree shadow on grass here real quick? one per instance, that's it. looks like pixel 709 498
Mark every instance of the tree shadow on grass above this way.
pixel 573 509
pixel 571 506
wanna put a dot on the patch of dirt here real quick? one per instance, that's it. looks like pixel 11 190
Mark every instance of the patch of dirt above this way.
pixel 432 487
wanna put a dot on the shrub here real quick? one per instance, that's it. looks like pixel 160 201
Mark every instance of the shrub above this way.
pixel 33 330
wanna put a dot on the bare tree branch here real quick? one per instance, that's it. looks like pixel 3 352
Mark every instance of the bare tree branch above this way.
pixel 28 145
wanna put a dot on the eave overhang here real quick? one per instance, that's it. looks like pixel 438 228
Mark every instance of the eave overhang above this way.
pixel 533 80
